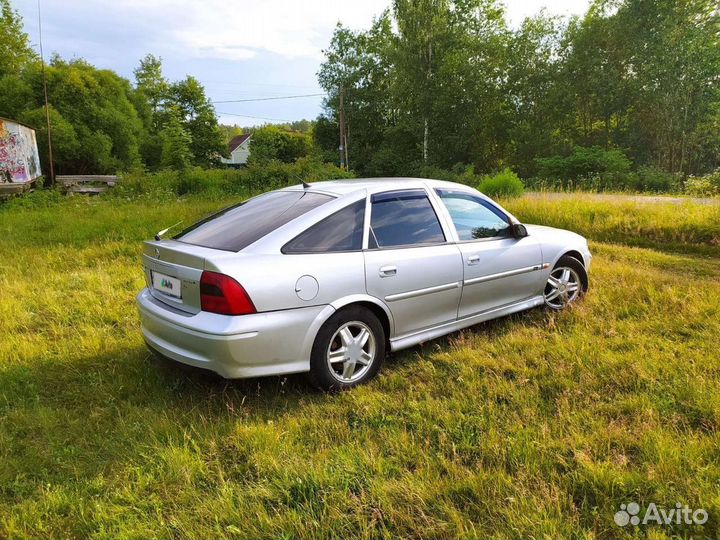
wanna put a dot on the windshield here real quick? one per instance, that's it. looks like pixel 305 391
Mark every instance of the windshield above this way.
pixel 239 226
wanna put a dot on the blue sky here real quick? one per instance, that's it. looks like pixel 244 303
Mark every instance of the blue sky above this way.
pixel 238 50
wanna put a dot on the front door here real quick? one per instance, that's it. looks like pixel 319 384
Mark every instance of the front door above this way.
pixel 498 269
pixel 409 264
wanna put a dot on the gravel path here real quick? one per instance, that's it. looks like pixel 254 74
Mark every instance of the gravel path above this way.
pixel 619 197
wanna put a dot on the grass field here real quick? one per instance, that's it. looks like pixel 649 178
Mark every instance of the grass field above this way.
pixel 537 425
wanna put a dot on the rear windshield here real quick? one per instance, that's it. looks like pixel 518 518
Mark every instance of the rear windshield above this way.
pixel 239 226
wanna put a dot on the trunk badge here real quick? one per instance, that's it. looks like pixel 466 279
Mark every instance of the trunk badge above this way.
pixel 157 253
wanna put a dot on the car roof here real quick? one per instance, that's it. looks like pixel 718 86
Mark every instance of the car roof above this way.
pixel 374 185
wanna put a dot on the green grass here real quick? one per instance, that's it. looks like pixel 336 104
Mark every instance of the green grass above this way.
pixel 536 425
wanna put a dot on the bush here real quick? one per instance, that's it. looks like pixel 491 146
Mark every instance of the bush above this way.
pixel 655 180
pixel 219 182
pixel 275 143
pixel 701 187
pixel 39 198
pixel 592 167
pixel 502 184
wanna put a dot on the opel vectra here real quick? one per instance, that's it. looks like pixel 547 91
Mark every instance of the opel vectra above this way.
pixel 327 278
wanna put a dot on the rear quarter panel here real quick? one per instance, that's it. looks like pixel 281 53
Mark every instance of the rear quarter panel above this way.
pixel 273 280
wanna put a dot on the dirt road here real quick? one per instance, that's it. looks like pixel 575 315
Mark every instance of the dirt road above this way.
pixel 619 197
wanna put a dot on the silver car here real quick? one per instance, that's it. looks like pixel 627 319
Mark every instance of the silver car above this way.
pixel 327 278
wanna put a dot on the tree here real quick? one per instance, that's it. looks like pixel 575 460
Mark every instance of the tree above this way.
pixel 275 143
pixel 150 82
pixel 197 114
pixel 428 93
pixel 15 51
pixel 176 142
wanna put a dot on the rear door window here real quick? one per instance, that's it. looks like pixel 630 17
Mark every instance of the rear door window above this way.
pixel 404 218
pixel 342 231
pixel 239 226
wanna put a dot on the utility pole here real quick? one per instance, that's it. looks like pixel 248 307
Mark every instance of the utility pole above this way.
pixel 347 143
pixel 341 122
pixel 47 106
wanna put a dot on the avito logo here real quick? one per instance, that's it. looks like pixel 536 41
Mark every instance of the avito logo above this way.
pixel 629 514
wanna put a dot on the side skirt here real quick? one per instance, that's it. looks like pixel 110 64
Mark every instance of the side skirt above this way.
pixel 408 340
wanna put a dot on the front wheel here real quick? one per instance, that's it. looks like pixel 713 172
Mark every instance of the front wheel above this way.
pixel 348 349
pixel 567 282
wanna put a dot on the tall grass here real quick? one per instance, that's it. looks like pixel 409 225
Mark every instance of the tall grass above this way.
pixel 684 226
pixel 537 425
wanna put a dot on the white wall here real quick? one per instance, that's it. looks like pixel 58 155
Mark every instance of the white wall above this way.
pixel 239 156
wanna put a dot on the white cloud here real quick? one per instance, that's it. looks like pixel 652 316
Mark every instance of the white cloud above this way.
pixel 291 28
pixel 236 30
pixel 243 29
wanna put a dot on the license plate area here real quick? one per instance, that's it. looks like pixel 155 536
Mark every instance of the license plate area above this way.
pixel 166 284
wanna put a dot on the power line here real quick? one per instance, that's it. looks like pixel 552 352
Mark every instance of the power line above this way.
pixel 267 98
pixel 254 117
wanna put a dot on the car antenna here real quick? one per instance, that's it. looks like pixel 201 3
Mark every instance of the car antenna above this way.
pixel 158 235
pixel 305 185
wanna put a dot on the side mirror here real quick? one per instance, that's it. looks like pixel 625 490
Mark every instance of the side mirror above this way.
pixel 518 230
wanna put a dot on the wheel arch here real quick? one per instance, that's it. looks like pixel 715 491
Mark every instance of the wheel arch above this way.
pixel 379 309
pixel 572 253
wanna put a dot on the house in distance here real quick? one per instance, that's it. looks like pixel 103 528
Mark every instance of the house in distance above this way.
pixel 239 147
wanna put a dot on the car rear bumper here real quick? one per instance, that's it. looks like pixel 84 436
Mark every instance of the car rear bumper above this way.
pixel 272 343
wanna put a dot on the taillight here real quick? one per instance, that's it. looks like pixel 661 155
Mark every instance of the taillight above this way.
pixel 222 294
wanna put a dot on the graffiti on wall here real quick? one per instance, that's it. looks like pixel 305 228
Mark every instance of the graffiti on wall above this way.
pixel 19 159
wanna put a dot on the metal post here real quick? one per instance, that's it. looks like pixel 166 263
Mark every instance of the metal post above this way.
pixel 341 122
pixel 47 106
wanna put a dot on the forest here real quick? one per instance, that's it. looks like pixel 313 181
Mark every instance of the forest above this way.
pixel 625 97
pixel 631 90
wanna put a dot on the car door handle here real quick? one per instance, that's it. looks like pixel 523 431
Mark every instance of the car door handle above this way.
pixel 387 271
pixel 473 259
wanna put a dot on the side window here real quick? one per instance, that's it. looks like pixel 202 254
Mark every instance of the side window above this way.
pixel 474 217
pixel 404 218
pixel 342 231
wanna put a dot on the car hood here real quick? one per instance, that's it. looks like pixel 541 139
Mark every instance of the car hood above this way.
pixel 544 232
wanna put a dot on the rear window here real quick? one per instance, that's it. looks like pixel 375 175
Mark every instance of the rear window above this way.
pixel 239 226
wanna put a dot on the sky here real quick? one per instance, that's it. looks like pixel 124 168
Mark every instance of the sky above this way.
pixel 237 49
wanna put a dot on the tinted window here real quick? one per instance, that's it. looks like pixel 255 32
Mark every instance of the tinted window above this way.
pixel 239 226
pixel 342 231
pixel 404 218
pixel 473 216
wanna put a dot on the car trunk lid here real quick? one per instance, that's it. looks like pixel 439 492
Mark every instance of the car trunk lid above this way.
pixel 172 272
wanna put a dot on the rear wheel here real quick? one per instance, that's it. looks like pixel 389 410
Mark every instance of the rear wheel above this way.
pixel 566 283
pixel 348 349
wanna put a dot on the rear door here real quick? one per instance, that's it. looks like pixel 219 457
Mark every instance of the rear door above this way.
pixel 498 268
pixel 409 263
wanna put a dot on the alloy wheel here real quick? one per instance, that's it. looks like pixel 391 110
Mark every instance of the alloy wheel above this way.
pixel 562 288
pixel 351 351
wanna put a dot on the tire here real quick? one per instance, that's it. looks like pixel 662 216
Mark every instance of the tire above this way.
pixel 567 283
pixel 345 368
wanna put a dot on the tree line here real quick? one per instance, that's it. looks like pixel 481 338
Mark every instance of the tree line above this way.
pixel 633 84
pixel 443 88
pixel 101 122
